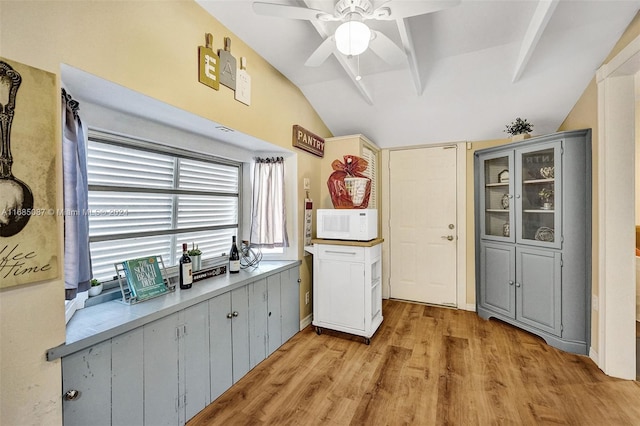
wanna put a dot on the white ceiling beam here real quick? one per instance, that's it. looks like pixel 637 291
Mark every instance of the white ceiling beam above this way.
pixel 409 49
pixel 321 28
pixel 539 21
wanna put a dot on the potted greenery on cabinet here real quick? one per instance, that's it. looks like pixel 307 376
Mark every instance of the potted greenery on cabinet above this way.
pixel 519 129
pixel 196 257
pixel 96 287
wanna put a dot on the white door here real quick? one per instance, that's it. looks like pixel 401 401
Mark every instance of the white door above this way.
pixel 423 228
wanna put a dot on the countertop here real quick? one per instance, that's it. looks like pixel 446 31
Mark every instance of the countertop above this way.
pixel 104 321
pixel 371 243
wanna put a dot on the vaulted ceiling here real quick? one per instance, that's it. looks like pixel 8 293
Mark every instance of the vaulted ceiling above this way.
pixel 469 69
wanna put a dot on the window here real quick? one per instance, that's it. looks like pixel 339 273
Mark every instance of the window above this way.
pixel 370 172
pixel 146 199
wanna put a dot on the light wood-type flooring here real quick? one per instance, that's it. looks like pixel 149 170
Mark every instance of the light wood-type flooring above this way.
pixel 425 366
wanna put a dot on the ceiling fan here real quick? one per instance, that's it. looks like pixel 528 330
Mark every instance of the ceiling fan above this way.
pixel 353 36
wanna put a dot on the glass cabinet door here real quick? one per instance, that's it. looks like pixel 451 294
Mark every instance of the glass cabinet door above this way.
pixel 497 200
pixel 538 197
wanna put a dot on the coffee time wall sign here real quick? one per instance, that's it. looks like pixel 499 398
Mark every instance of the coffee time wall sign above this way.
pixel 29 243
pixel 304 139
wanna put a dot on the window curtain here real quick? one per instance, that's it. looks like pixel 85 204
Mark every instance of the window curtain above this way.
pixel 268 216
pixel 77 258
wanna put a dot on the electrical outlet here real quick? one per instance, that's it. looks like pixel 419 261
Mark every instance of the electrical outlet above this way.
pixel 306 298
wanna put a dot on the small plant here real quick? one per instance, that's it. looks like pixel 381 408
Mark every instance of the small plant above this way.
pixel 195 251
pixel 94 282
pixel 518 127
pixel 546 194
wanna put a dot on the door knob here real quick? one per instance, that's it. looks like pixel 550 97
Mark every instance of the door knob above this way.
pixel 447 237
pixel 229 315
pixel 235 313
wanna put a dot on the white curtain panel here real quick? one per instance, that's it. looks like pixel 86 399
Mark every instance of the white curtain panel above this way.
pixel 268 217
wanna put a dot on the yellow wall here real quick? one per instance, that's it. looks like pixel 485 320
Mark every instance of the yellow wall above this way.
pixel 150 47
pixel 585 115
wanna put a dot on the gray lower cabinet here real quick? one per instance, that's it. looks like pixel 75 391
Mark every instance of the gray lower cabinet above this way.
pixel 229 339
pixel 89 372
pixel 284 307
pixel 523 284
pixel 175 391
pixel 166 371
pixel 533 245
pixel 111 370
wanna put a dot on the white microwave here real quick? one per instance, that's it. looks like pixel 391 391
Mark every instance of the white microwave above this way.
pixel 347 224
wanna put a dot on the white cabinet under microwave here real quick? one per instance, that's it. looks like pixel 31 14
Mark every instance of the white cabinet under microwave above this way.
pixel 347 288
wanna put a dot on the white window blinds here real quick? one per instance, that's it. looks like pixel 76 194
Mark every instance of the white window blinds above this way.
pixel 371 173
pixel 145 202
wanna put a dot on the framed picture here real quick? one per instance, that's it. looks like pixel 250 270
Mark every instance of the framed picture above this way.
pixel 503 176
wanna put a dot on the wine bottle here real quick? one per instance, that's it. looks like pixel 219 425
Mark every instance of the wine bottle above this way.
pixel 234 257
pixel 186 278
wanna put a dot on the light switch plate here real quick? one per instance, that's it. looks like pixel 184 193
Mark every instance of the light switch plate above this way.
pixel 306 183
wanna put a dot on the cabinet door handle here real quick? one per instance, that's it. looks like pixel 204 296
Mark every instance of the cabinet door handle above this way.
pixel 517 284
pixel 510 282
pixel 517 195
pixel 353 253
pixel 447 237
pixel 71 395
pixel 229 315
pixel 235 313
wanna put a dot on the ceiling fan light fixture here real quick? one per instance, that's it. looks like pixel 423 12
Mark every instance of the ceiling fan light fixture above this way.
pixel 352 38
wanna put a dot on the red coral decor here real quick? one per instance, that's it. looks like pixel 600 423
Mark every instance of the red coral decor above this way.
pixel 349 188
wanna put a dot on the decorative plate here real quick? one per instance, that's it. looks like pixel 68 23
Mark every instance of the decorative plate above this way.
pixel 547 172
pixel 505 201
pixel 544 234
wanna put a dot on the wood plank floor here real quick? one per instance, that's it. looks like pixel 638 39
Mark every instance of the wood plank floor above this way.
pixel 425 366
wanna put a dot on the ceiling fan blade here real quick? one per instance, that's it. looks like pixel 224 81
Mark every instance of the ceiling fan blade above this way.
pixel 323 51
pixel 285 11
pixel 399 9
pixel 386 49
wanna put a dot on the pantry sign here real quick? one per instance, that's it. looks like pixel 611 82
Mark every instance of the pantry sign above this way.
pixel 304 139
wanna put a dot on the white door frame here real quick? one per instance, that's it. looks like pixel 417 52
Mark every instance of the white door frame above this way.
pixel 617 90
pixel 461 217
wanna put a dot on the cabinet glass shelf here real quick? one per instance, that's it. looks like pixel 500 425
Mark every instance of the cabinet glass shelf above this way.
pixel 531 181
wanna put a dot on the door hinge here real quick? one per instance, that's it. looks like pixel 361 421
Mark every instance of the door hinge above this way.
pixel 181 401
pixel 181 330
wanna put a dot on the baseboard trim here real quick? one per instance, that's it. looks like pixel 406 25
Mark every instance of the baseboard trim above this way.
pixel 306 321
pixel 470 307
pixel 594 356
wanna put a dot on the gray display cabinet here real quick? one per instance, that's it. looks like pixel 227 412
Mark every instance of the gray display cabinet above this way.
pixel 533 236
